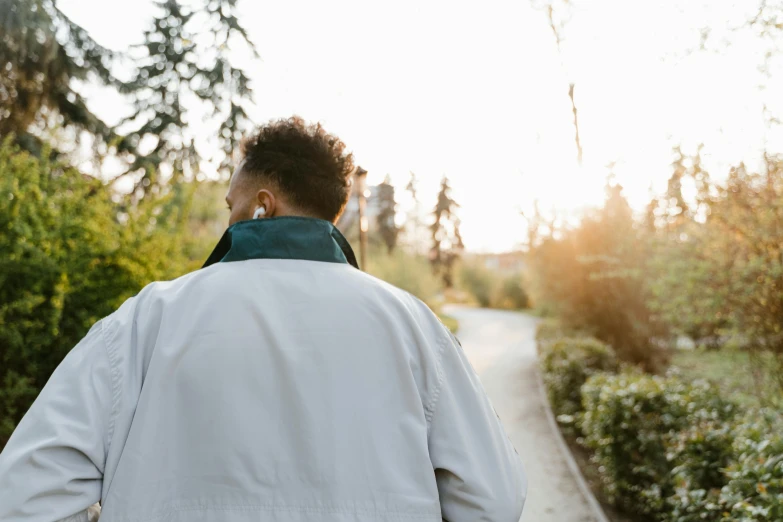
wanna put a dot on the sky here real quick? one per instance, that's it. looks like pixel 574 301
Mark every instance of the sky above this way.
pixel 478 91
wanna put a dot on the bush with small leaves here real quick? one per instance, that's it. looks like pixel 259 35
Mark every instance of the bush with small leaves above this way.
pixel 567 363
pixel 754 492
pixel 700 453
pixel 638 426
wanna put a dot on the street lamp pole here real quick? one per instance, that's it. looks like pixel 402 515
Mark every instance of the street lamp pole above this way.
pixel 361 186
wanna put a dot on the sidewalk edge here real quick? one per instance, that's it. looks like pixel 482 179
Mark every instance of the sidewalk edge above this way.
pixel 587 493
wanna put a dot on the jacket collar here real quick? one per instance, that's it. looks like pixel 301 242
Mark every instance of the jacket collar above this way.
pixel 283 238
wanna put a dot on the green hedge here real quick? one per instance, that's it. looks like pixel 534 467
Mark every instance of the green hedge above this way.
pixel 650 434
pixel 69 257
pixel 567 363
pixel 666 450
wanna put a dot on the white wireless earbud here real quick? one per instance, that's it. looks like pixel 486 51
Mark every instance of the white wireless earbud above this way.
pixel 260 211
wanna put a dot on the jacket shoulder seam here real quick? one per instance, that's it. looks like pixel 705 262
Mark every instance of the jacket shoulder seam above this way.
pixel 111 354
pixel 429 409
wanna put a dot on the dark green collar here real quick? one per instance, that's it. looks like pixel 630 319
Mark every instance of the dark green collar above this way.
pixel 283 238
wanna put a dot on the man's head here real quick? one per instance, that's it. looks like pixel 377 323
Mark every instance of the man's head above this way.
pixel 289 168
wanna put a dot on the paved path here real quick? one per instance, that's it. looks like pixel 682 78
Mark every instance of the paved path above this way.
pixel 501 347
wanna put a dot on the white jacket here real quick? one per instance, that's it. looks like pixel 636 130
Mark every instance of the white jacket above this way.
pixel 282 385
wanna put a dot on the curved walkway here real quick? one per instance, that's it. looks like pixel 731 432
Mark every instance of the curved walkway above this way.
pixel 501 347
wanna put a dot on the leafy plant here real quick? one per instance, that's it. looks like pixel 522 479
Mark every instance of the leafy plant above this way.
pixel 567 363
pixel 638 426
pixel 70 258
pixel 724 273
pixel 593 276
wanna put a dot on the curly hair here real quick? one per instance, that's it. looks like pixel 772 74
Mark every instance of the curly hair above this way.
pixel 307 164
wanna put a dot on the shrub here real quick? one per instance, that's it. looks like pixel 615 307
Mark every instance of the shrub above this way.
pixel 67 261
pixel 478 281
pixel 567 363
pixel 754 492
pixel 752 479
pixel 637 427
pixel 724 273
pixel 492 289
pixel 409 272
pixel 594 275
pixel 701 453
pixel 510 294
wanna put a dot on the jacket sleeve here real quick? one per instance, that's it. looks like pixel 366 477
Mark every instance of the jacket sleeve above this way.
pixel 52 466
pixel 478 472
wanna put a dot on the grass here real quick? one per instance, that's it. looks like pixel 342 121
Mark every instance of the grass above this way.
pixel 728 369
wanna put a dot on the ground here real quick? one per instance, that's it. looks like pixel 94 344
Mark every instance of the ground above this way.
pixel 501 347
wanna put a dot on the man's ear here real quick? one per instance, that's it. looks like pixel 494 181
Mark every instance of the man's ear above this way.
pixel 266 199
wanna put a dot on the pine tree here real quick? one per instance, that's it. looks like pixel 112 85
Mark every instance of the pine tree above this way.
pixel 41 52
pixel 675 205
pixel 180 66
pixel 413 223
pixel 387 213
pixel 650 216
pixel 184 60
pixel 447 245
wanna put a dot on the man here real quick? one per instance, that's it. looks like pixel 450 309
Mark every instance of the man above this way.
pixel 277 383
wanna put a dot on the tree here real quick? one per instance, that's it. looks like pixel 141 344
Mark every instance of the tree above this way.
pixel 42 52
pixel 68 261
pixel 593 276
pixel 447 243
pixel 415 232
pixel 387 214
pixel 185 59
pixel 759 31
pixel 675 219
pixel 728 271
pixel 558 17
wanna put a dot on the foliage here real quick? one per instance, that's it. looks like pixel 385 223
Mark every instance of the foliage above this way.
pixel 387 214
pixel 668 450
pixel 510 293
pixel 408 272
pixel 648 434
pixel 593 276
pixel 447 243
pixel 478 281
pixel 414 230
pixel 207 221
pixel 754 492
pixel 670 218
pixel 567 363
pixel 490 289
pixel 69 259
pixel 746 465
pixel 700 453
pixel 41 52
pixel 724 273
pixel 184 58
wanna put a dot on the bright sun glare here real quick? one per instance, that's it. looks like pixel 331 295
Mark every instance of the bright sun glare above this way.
pixel 479 92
